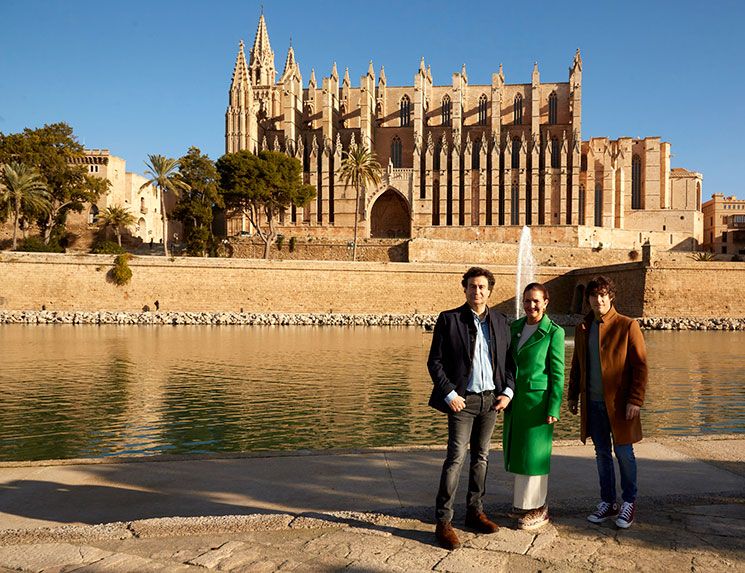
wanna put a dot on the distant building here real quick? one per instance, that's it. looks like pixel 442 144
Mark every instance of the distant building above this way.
pixel 724 225
pixel 124 190
pixel 460 160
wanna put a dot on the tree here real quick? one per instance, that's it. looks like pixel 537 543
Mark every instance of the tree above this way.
pixel 117 217
pixel 56 153
pixel 194 208
pixel 359 168
pixel 23 192
pixel 162 174
pixel 261 187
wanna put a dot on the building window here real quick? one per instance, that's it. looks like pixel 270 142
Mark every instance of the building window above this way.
pixel 93 215
pixel 396 151
pixel 581 205
pixel 514 213
pixel 405 111
pixel 447 108
pixel 598 205
pixel 517 110
pixel 515 153
pixel 636 182
pixel 555 151
pixel 724 236
pixel 482 109
pixel 552 108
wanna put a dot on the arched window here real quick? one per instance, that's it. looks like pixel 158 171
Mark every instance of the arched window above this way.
pixel 396 152
pixel 516 153
pixel 447 108
pixel 552 108
pixel 555 152
pixel 436 156
pixel 515 204
pixel 581 205
pixel 476 154
pixel 598 205
pixel 517 110
pixel 483 102
pixel 405 111
pixel 636 182
pixel 93 215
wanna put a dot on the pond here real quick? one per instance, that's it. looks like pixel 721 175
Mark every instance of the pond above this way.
pixel 95 391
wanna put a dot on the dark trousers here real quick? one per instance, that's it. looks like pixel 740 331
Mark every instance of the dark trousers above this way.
pixel 473 425
pixel 600 432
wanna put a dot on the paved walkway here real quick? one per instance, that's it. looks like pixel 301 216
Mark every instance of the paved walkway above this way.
pixel 365 511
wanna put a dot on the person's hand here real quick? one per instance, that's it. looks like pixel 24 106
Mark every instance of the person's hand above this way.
pixel 632 411
pixel 551 420
pixel 501 403
pixel 573 406
pixel 457 404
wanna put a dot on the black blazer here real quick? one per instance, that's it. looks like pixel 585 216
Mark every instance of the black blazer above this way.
pixel 451 354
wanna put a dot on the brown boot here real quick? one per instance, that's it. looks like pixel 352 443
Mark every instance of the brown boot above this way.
pixel 446 535
pixel 477 520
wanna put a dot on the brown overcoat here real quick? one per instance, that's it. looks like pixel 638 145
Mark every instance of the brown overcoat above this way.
pixel 623 360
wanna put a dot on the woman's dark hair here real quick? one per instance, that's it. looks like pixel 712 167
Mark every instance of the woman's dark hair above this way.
pixel 478 272
pixel 536 286
pixel 601 285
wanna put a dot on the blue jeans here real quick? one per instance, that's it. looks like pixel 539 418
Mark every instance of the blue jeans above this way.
pixel 600 433
pixel 474 424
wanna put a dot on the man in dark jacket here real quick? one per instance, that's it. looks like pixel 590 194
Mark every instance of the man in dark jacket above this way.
pixel 474 379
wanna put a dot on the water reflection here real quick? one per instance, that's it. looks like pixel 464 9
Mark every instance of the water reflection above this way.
pixel 115 390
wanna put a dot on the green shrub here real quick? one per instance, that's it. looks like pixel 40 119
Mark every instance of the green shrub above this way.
pixel 280 242
pixel 107 248
pixel 293 242
pixel 121 274
pixel 702 256
pixel 633 255
pixel 37 245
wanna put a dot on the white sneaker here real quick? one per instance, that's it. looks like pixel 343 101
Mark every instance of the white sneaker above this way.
pixel 604 511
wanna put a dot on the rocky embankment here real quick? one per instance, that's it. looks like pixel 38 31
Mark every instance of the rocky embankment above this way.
pixel 314 319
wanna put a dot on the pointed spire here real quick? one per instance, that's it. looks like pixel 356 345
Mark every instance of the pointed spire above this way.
pixel 463 72
pixel 334 72
pixel 290 63
pixel 261 42
pixel 577 63
pixel 312 81
pixel 382 79
pixel 338 148
pixel 240 70
pixel 536 78
pixel 422 69
pixel 429 73
pixel 261 62
pixel 346 80
pixel 371 70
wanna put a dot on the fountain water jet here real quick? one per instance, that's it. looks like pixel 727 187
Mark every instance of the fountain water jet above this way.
pixel 525 269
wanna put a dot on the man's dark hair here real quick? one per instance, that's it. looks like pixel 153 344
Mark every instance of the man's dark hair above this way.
pixel 478 272
pixel 536 286
pixel 601 285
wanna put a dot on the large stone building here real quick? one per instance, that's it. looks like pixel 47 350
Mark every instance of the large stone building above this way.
pixel 724 225
pixel 461 160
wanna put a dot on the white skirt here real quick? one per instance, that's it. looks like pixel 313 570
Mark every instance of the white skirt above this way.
pixel 530 491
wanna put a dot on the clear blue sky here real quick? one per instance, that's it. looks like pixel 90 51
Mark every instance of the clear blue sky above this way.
pixel 142 77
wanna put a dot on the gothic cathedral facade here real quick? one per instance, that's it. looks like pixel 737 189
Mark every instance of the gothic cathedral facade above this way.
pixel 460 161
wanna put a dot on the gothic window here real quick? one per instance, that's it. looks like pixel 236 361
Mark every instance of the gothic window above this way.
pixel 514 213
pixel 636 182
pixel 516 153
pixel 555 152
pixel 93 215
pixel 581 205
pixel 552 108
pixel 598 205
pixel 517 110
pixel 476 154
pixel 447 108
pixel 405 111
pixel 308 109
pixel 396 151
pixel 483 102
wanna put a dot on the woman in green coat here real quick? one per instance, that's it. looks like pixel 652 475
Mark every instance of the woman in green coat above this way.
pixel 538 350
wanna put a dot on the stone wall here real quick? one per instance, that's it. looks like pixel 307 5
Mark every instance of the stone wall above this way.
pixel 79 283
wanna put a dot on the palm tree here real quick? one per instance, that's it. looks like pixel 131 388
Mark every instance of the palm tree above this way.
pixel 24 191
pixel 359 168
pixel 162 174
pixel 117 217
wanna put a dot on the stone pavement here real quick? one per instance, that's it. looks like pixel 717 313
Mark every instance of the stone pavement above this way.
pixel 363 511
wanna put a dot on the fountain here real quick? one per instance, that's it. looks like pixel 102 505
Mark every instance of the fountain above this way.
pixel 525 269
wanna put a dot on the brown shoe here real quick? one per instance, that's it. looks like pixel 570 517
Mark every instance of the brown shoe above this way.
pixel 477 520
pixel 534 519
pixel 446 535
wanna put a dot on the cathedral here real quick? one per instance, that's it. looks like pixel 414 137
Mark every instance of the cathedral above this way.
pixel 460 161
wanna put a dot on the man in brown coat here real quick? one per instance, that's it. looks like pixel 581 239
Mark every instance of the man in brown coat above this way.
pixel 608 378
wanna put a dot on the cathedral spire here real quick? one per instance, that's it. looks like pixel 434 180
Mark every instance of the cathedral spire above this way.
pixel 346 81
pixel 422 69
pixel 261 63
pixel 312 81
pixel 536 78
pixel 240 70
pixel 381 78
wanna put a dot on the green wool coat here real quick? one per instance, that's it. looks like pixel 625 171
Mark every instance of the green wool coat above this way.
pixel 539 384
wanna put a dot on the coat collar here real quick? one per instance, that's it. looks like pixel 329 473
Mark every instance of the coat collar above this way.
pixel 543 327
pixel 608 317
